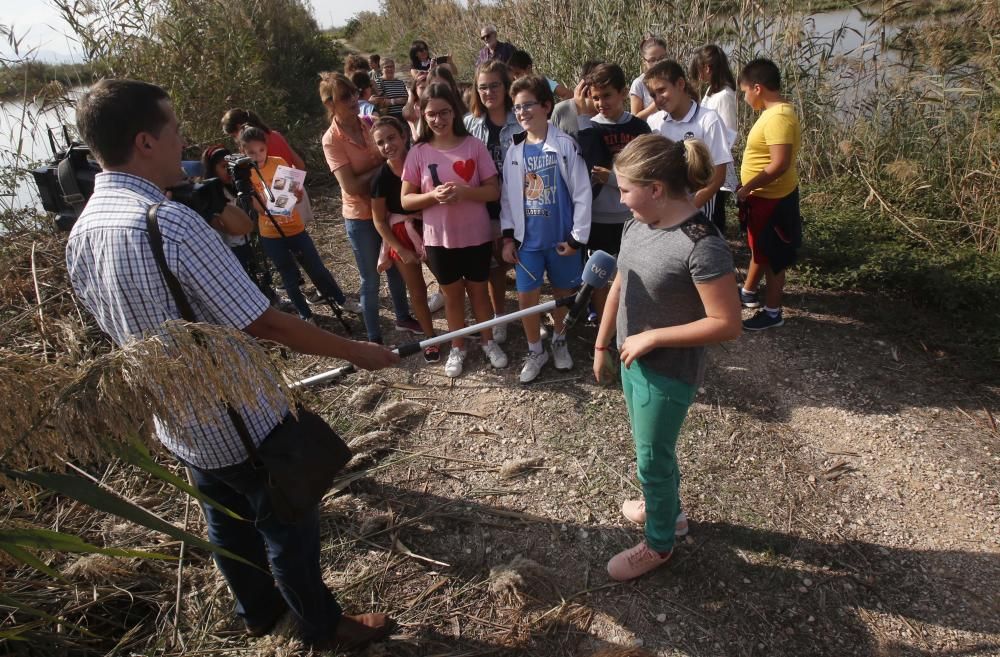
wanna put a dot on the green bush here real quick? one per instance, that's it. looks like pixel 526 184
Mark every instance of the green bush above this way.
pixel 846 247
pixel 212 55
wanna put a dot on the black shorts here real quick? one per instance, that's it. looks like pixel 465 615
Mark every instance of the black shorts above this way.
pixel 605 237
pixel 471 263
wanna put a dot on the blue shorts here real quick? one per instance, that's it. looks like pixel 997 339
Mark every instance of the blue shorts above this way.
pixel 564 271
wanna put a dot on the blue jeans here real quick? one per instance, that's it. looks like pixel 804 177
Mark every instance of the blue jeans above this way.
pixel 366 244
pixel 284 252
pixel 286 556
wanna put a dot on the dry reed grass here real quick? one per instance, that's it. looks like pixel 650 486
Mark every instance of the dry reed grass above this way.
pixel 181 376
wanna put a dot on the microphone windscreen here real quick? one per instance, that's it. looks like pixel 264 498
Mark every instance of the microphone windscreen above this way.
pixel 600 269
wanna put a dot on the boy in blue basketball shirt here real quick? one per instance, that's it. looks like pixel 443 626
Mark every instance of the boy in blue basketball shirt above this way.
pixel 545 205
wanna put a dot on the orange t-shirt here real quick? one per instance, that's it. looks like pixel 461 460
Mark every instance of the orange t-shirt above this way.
pixel 290 224
pixel 341 151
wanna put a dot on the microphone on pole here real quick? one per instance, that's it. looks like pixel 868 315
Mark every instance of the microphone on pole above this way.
pixel 598 272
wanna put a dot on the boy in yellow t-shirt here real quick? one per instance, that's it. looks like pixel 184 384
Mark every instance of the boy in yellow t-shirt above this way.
pixel 769 194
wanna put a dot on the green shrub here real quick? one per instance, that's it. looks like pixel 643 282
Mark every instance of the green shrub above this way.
pixel 212 55
pixel 847 247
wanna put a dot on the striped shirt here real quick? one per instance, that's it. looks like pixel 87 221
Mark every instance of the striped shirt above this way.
pixel 394 89
pixel 115 276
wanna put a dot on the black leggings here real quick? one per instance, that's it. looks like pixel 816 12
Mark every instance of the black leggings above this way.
pixel 719 212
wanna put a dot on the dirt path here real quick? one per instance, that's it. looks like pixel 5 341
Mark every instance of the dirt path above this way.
pixel 842 485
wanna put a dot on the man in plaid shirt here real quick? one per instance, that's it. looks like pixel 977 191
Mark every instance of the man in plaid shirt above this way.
pixel 134 134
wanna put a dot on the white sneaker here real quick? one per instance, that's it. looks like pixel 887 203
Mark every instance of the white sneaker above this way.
pixel 435 302
pixel 500 333
pixel 456 359
pixel 496 355
pixel 560 354
pixel 533 365
pixel 352 306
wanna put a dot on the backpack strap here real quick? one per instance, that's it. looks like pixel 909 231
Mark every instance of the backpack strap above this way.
pixel 67 183
pixel 156 244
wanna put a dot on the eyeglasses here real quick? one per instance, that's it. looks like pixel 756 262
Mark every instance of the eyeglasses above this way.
pixel 434 116
pixel 525 107
pixel 493 86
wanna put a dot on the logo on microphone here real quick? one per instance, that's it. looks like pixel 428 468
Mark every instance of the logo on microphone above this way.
pixel 601 272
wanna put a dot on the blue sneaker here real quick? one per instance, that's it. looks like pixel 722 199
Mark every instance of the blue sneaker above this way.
pixel 763 320
pixel 748 299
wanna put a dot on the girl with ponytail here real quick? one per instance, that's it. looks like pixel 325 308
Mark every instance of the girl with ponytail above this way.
pixel 675 293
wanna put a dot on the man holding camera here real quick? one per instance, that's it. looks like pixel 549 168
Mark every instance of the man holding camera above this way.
pixel 134 134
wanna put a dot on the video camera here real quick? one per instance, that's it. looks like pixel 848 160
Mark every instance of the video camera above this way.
pixel 208 197
pixel 66 182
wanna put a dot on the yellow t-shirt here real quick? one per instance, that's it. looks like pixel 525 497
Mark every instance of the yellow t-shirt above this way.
pixel 290 225
pixel 776 125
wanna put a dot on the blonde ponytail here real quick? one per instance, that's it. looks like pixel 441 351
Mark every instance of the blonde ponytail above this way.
pixel 699 164
pixel 682 167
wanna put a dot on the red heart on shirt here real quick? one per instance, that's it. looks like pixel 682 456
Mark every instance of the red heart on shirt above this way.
pixel 465 169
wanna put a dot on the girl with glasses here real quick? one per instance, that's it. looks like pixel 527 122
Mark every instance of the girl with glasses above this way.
pixel 491 120
pixel 652 49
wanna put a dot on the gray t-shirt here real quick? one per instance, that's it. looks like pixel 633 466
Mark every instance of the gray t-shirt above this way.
pixel 564 116
pixel 659 268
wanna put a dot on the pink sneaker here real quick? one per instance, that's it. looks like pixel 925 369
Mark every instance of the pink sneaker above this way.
pixel 635 561
pixel 635 511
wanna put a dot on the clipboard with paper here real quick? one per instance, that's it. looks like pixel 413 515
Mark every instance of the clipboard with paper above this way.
pixel 286 184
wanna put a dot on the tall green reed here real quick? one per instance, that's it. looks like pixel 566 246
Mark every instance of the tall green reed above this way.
pixel 908 126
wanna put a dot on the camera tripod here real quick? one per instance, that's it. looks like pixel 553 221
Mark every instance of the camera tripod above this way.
pixel 245 196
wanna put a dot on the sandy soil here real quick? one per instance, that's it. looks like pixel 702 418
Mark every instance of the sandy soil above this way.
pixel 841 478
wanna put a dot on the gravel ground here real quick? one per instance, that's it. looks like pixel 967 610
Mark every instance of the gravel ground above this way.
pixel 840 477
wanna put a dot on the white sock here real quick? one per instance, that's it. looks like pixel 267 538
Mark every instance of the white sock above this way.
pixel 488 343
pixel 746 291
pixel 535 347
pixel 773 312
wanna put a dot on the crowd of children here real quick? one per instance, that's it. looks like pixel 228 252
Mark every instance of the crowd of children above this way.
pixel 528 175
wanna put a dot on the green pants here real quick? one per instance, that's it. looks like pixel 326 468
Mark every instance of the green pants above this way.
pixel 657 406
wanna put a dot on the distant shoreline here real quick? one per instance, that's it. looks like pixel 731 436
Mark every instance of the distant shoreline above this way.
pixel 26 80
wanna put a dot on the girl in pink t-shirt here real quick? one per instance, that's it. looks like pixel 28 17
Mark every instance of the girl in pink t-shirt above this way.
pixel 450 176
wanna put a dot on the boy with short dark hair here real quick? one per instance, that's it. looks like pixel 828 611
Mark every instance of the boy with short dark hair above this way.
pixel 375 62
pixel 602 136
pixel 681 117
pixel 769 194
pixel 521 65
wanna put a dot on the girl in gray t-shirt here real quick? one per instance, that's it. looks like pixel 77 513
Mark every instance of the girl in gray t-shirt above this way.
pixel 675 293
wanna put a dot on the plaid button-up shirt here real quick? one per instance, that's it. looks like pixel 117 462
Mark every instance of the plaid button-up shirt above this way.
pixel 113 272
